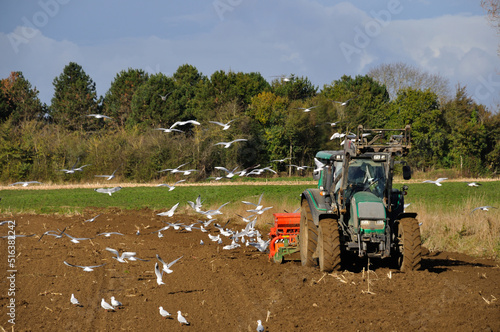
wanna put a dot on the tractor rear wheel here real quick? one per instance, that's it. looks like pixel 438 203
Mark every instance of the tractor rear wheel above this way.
pixel 329 245
pixel 410 245
pixel 308 236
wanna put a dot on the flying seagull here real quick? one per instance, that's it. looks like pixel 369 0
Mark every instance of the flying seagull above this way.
pixel 183 123
pixel 166 267
pixel 484 208
pixel 170 187
pixel 108 191
pixel 123 257
pixel 169 130
pixel 109 177
pixel 85 268
pixel 225 126
pixel 92 219
pixel 159 275
pixel 24 183
pixel 473 184
pixel 164 97
pixel 437 182
pixel 99 116
pixel 342 103
pixel 228 144
pixel 170 212
pixel 306 109
pixel 230 174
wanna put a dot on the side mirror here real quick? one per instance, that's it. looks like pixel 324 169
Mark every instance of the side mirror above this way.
pixel 406 172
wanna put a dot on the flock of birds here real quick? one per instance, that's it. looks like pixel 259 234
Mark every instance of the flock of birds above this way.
pixel 247 236
pixel 470 184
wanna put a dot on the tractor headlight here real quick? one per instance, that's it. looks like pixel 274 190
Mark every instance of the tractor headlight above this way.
pixel 379 222
pixel 379 157
pixel 365 222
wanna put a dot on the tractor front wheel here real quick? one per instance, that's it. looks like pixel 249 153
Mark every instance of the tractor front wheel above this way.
pixel 329 245
pixel 409 253
pixel 308 236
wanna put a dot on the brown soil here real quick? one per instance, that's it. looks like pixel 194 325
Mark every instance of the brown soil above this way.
pixel 220 290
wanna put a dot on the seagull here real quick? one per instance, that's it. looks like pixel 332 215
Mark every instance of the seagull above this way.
pixel 258 206
pixel 182 123
pixel 201 242
pixel 319 165
pixel 260 328
pixel 260 211
pixel 437 182
pixel 170 187
pixel 228 144
pixel 115 302
pixel 123 257
pixel 163 312
pixel 197 204
pixel 189 228
pixel 24 183
pixel 108 191
pixel 58 234
pixel 225 126
pixel 299 168
pixel 285 78
pixel 165 96
pixel 473 184
pixel 166 267
pixel 99 116
pixel 76 239
pixel 108 234
pixel 181 319
pixel 231 246
pixel 281 160
pixel 172 169
pixel 342 103
pixel 214 238
pixel 175 226
pixel 261 245
pixel 92 219
pixel 169 130
pixel 306 109
pixel 85 268
pixel 484 208
pixel 247 219
pixel 211 213
pixel 230 174
pixel 106 306
pixel 170 212
pixel 159 275
pixel 109 177
pixel 74 300
pixel 184 171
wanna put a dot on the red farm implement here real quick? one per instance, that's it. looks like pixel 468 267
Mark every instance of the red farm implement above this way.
pixel 283 235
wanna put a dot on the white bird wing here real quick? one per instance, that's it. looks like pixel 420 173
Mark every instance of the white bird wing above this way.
pixel 217 123
pixel 114 251
pixel 158 272
pixel 173 262
pixel 222 168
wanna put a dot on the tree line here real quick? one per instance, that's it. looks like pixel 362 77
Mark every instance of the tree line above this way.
pixel 288 117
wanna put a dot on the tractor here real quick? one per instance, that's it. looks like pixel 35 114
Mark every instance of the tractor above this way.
pixel 355 211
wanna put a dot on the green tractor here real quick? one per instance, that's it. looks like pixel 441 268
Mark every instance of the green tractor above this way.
pixel 355 211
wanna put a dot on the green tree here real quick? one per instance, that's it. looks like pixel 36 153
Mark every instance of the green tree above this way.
pixel 75 97
pixel 118 99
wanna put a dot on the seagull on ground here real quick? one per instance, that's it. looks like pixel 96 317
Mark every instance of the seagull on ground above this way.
pixel 108 191
pixel 106 306
pixel 260 327
pixel 228 144
pixel 85 268
pixel 181 319
pixel 306 109
pixel 225 126
pixel 437 182
pixel 168 213
pixel 170 187
pixel 166 267
pixel 164 313
pixel 24 183
pixel 109 177
pixel 99 116
pixel 92 219
pixel 473 184
pixel 115 302
pixel 74 300
pixel 123 257
pixel 159 275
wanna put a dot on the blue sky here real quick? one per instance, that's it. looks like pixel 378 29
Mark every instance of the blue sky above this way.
pixel 321 40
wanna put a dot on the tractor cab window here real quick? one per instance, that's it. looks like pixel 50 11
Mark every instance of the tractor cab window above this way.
pixel 366 175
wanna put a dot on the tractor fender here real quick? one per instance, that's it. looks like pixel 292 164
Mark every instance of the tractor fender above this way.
pixel 316 203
